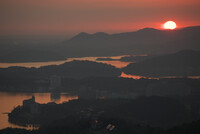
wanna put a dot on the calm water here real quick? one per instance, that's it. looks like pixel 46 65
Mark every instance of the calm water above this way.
pixel 117 64
pixel 10 100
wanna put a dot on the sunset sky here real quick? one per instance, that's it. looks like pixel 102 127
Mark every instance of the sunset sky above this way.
pixel 111 16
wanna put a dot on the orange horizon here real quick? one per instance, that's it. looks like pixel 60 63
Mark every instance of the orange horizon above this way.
pixel 48 17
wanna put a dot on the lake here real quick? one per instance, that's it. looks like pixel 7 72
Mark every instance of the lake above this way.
pixel 11 100
pixel 117 64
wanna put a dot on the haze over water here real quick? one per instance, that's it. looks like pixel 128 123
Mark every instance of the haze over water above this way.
pixel 134 66
pixel 117 64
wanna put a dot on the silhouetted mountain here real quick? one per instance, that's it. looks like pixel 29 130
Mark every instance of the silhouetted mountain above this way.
pixel 80 36
pixel 145 41
pixel 80 69
pixel 136 58
pixel 29 49
pixel 183 63
pixel 74 69
pixel 83 35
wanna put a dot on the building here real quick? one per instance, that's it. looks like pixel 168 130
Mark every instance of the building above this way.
pixel 55 96
pixel 55 82
pixel 31 105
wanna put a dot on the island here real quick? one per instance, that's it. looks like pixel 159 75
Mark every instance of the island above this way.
pixel 107 115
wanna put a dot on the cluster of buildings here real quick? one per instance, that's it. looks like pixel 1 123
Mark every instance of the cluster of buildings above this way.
pixel 55 83
pixel 163 88
pixel 90 93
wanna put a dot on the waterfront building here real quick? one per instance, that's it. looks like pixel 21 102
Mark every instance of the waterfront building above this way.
pixel 55 83
pixel 31 105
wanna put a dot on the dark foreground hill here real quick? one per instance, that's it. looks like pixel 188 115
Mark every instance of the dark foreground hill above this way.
pixel 187 128
pixel 183 63
pixel 144 115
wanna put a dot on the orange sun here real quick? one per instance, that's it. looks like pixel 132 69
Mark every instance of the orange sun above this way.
pixel 169 25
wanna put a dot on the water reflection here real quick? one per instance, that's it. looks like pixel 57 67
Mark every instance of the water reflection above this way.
pixel 32 64
pixel 123 75
pixel 55 97
pixel 11 100
pixel 117 64
pixel 39 64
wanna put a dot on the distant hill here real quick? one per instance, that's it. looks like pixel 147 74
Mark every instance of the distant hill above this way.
pixel 145 41
pixel 29 49
pixel 74 69
pixel 183 63
pixel 81 69
pixel 135 58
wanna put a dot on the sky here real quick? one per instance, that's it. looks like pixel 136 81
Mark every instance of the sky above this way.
pixel 51 17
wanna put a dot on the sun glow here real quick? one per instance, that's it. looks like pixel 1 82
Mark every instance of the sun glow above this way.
pixel 169 25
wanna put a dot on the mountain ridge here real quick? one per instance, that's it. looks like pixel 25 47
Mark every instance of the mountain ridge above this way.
pixel 146 29
pixel 182 63
pixel 144 41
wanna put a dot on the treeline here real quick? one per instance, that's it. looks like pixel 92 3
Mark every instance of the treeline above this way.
pixel 184 63
pixel 111 84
